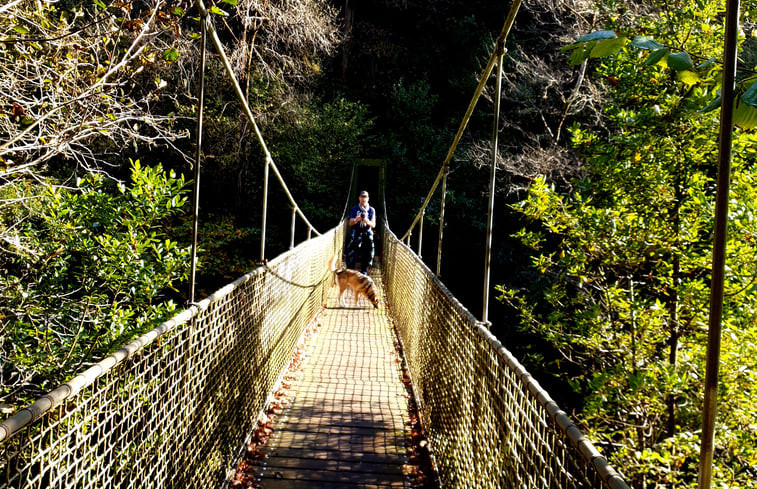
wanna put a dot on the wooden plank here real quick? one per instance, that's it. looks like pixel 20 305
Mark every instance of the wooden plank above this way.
pixel 347 422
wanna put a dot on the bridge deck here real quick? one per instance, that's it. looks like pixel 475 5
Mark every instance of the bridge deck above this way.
pixel 347 421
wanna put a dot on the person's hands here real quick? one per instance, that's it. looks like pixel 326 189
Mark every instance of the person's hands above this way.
pixel 358 218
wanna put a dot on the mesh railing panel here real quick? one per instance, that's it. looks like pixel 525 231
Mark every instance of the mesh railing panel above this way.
pixel 488 422
pixel 171 408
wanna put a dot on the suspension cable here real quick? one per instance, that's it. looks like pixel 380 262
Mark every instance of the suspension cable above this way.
pixel 441 225
pixel 492 186
pixel 509 21
pixel 265 211
pixel 269 159
pixel 349 192
pixel 198 157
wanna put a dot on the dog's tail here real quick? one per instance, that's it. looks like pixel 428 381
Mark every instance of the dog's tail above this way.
pixel 332 263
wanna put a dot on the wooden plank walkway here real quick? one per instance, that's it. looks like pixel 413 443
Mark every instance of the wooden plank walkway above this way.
pixel 347 423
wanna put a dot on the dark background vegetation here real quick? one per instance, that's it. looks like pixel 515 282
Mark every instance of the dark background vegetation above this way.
pixel 379 79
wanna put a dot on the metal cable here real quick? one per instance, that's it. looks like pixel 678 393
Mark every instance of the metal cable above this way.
pixel 286 280
pixel 509 21
pixel 198 159
pixel 248 112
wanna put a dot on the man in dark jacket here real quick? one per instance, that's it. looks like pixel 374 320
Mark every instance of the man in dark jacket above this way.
pixel 362 221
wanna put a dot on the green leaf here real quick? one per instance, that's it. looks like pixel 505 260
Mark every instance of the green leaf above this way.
pixel 714 104
pixel 217 11
pixel 230 2
pixel 680 61
pixel 100 4
pixel 750 96
pixel 597 35
pixel 607 47
pixel 578 56
pixel 656 56
pixel 567 48
pixel 27 120
pixel 170 55
pixel 644 42
pixel 177 11
pixel 688 77
pixel 21 29
pixel 745 116
pixel 706 64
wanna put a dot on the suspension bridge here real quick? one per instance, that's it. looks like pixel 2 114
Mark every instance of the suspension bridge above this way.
pixel 182 405
pixel 177 407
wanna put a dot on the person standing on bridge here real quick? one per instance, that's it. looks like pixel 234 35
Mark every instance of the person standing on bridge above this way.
pixel 362 221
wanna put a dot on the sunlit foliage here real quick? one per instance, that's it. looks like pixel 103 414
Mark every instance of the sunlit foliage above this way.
pixel 621 259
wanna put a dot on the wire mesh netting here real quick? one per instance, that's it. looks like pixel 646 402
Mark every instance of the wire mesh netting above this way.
pixel 489 423
pixel 171 409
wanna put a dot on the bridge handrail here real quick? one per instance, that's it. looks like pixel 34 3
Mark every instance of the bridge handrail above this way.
pixel 179 397
pixel 473 394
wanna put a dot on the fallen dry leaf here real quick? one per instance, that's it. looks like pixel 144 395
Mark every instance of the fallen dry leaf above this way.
pixel 18 111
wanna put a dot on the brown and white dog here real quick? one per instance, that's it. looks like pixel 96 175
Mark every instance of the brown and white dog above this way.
pixel 358 282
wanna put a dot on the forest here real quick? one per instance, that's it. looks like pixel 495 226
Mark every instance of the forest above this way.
pixel 604 195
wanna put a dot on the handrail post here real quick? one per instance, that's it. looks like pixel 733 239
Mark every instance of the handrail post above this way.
pixel 420 235
pixel 718 249
pixel 265 210
pixel 291 232
pixel 492 182
pixel 441 224
pixel 198 157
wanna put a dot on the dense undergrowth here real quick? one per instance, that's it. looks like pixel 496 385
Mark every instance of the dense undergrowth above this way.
pixel 621 257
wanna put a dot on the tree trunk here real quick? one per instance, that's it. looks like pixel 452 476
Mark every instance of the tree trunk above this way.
pixel 348 19
pixel 673 304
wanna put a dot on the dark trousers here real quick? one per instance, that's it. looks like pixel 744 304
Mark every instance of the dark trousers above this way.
pixel 360 246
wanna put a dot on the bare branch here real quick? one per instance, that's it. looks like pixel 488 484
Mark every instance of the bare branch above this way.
pixel 78 87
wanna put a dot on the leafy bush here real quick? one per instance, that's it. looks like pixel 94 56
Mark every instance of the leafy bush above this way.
pixel 89 268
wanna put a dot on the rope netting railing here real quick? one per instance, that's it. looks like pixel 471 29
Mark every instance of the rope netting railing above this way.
pixel 171 408
pixel 488 422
